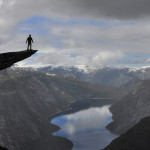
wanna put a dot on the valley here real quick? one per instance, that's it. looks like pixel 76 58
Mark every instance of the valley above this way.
pixel 28 98
pixel 32 97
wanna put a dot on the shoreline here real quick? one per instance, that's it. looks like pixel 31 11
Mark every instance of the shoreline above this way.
pixel 71 109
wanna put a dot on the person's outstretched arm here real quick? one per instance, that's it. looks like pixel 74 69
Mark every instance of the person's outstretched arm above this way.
pixel 32 41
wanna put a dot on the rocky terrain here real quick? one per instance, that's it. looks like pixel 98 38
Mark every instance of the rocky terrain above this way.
pixel 131 109
pixel 136 138
pixel 28 98
pixel 9 58
pixel 3 148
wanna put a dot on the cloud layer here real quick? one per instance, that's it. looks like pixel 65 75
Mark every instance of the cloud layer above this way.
pixel 97 9
pixel 90 32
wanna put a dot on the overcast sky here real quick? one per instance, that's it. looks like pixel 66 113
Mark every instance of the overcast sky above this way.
pixel 73 32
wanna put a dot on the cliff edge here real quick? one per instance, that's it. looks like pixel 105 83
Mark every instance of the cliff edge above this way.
pixel 8 59
pixel 131 109
pixel 137 138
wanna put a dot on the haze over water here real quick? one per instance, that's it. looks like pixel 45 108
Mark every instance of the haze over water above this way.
pixel 86 128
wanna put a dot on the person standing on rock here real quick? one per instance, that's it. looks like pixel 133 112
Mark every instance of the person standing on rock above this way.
pixel 29 41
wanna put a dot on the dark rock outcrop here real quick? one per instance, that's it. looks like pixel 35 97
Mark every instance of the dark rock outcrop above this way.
pixel 3 148
pixel 8 59
pixel 131 109
pixel 137 138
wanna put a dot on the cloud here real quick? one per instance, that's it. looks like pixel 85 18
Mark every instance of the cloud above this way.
pixel 67 44
pixel 59 59
pixel 97 9
pixel 14 11
pixel 100 29
pixel 96 59
pixel 107 57
pixel 138 61
pixel 148 60
pixel 126 38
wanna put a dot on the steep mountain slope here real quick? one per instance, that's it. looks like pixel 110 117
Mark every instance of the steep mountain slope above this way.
pixel 25 104
pixel 131 109
pixel 132 84
pixel 137 138
pixel 28 98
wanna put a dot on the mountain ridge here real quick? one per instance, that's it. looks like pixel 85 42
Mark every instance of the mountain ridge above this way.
pixel 110 76
pixel 131 109
pixel 136 138
pixel 9 58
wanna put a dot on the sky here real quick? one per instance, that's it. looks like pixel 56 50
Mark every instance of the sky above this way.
pixel 78 32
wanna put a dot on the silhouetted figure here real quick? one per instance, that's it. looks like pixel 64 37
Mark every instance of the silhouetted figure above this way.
pixel 29 41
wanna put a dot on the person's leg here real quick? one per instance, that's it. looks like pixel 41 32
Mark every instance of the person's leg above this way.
pixel 31 46
pixel 28 46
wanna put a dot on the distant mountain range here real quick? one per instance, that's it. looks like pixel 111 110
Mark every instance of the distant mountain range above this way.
pixel 110 76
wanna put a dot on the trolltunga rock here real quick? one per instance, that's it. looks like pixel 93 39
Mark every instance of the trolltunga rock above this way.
pixel 9 58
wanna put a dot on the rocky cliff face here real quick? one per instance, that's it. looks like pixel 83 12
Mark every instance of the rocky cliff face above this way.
pixel 3 148
pixel 8 59
pixel 131 109
pixel 28 98
pixel 137 138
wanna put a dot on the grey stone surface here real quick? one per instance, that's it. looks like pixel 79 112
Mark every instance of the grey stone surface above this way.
pixel 131 109
pixel 8 59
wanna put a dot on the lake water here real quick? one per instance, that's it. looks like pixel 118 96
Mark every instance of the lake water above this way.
pixel 86 128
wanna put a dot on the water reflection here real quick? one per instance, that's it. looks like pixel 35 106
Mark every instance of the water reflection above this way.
pixel 86 128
